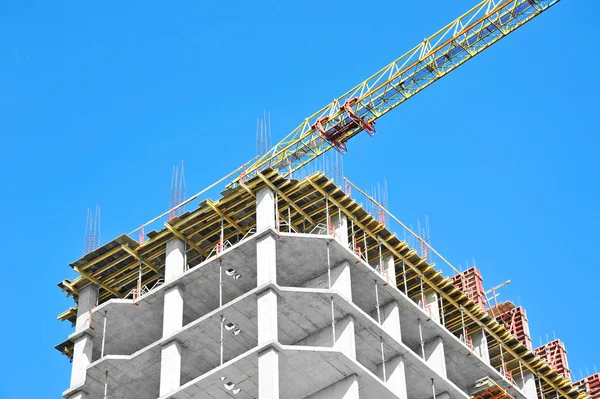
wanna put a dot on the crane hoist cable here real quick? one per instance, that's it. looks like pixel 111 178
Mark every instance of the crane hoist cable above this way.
pixel 358 109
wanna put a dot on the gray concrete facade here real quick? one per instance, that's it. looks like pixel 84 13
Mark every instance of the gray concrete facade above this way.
pixel 305 318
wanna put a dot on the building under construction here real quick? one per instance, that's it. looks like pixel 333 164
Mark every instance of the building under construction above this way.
pixel 290 288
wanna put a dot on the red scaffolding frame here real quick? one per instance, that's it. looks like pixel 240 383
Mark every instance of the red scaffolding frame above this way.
pixel 555 354
pixel 514 319
pixel 589 385
pixel 471 283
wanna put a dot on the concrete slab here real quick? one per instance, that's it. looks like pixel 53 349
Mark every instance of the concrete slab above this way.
pixel 137 375
pixel 303 371
pixel 301 257
pixel 311 309
pixel 129 328
pixel 133 339
pixel 306 258
pixel 302 312
pixel 132 327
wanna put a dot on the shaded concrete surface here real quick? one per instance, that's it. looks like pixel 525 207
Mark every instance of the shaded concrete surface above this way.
pixel 308 361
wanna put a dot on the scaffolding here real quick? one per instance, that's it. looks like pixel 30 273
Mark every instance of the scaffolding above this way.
pixel 488 389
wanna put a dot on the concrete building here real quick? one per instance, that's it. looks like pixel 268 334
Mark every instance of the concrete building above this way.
pixel 284 289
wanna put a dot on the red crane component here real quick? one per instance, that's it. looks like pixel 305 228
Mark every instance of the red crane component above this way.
pixel 335 135
pixel 369 127
pixel 332 135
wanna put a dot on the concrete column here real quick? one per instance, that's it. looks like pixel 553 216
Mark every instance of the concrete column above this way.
pixel 174 259
pixel 266 260
pixel 435 357
pixel 88 297
pixel 265 209
pixel 527 385
pixel 390 319
pixel 173 311
pixel 343 389
pixel 170 362
pixel 265 246
pixel 395 376
pixel 340 224
pixel 82 357
pixel 432 305
pixel 267 316
pixel 389 270
pixel 480 346
pixel 268 361
pixel 173 302
pixel 341 280
pixel 444 395
pixel 84 344
pixel 345 340
pixel 78 395
pixel 268 374
pixel 170 367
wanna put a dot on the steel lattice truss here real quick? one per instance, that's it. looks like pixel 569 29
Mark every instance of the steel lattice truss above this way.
pixel 359 108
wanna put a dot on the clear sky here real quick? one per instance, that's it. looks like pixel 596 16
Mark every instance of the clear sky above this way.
pixel 99 100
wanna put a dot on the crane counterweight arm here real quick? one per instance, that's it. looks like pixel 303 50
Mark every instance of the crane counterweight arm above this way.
pixel 358 109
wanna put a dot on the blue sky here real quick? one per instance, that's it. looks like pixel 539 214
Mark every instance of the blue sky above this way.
pixel 99 100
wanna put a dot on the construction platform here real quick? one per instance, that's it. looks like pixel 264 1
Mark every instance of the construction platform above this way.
pixel 284 288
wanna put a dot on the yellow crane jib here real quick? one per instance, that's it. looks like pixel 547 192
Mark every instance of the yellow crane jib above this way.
pixel 359 108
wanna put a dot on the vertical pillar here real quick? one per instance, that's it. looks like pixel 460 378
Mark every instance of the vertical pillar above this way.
pixel 88 297
pixel 432 305
pixel 345 340
pixel 174 259
pixel 527 385
pixel 268 360
pixel 342 389
pixel 265 260
pixel 265 209
pixel 170 367
pixel 170 362
pixel 480 345
pixel 84 344
pixel 341 280
pixel 390 320
pixel 396 376
pixel 434 355
pixel 268 374
pixel 173 313
pixel 265 245
pixel 389 270
pixel 340 224
pixel 267 316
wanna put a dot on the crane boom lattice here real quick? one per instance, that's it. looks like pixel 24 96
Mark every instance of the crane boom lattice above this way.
pixel 359 108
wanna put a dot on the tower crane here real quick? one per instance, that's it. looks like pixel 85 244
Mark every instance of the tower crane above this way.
pixel 359 108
